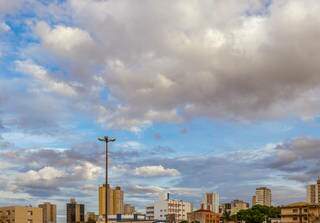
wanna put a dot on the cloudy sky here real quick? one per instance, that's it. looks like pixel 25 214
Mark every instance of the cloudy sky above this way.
pixel 202 95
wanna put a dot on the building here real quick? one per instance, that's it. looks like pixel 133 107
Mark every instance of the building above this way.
pixel 254 200
pixel 225 208
pixel 115 200
pixel 129 209
pixel 135 218
pixel 263 196
pixel 300 212
pixel 165 207
pixel 313 193
pixel 150 212
pixel 20 214
pixel 91 217
pixel 49 212
pixel 75 212
pixel 203 215
pixel 237 205
pixel 211 200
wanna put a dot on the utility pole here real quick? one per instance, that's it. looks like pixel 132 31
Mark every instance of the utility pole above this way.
pixel 106 139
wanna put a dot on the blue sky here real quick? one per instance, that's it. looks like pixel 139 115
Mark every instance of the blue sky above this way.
pixel 201 96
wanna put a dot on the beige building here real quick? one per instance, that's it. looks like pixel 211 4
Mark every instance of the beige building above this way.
pixel 237 205
pixel 203 216
pixel 129 209
pixel 115 200
pixel 211 200
pixel 313 193
pixel 300 212
pixel 20 214
pixel 49 212
pixel 263 196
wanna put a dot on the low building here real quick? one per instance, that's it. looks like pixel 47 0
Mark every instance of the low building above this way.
pixel 129 209
pixel 135 218
pixel 203 216
pixel 20 214
pixel 91 217
pixel 237 205
pixel 178 208
pixel 300 212
pixel 150 212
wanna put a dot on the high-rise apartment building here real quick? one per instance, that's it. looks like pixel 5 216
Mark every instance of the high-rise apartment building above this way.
pixel 211 200
pixel 170 207
pixel 313 193
pixel 75 212
pixel 49 212
pixel 115 200
pixel 20 214
pixel 263 196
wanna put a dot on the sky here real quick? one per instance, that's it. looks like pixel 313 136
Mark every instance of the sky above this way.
pixel 210 95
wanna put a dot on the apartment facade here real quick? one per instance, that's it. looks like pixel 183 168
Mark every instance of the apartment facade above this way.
pixel 150 212
pixel 300 212
pixel 211 200
pixel 263 196
pixel 170 207
pixel 313 193
pixel 75 212
pixel 115 200
pixel 20 214
pixel 203 215
pixel 49 212
pixel 129 209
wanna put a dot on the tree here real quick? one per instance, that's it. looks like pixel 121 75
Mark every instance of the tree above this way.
pixel 258 214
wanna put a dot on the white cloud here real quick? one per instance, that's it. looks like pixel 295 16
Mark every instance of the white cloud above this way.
pixel 39 73
pixel 155 171
pixel 4 27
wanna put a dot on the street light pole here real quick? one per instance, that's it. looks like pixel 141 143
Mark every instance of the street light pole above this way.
pixel 106 139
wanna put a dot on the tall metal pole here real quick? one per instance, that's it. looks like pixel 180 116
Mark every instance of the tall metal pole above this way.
pixel 106 198
pixel 106 139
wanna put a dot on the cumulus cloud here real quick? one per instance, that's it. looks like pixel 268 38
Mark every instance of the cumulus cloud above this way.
pixel 154 171
pixel 248 60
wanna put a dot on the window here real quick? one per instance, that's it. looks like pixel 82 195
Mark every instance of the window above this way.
pixel 305 210
pixel 305 218
pixel 295 210
pixel 295 218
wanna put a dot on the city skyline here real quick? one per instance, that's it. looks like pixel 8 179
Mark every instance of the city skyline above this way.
pixel 202 96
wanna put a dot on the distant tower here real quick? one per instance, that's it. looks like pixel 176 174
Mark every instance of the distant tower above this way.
pixel 75 212
pixel 211 201
pixel 263 196
pixel 49 212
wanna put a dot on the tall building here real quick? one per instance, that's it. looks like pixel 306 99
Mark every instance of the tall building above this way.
pixel 237 205
pixel 211 200
pixel 75 212
pixel 263 196
pixel 115 200
pixel 20 214
pixel 129 209
pixel 170 207
pixel 49 212
pixel 311 194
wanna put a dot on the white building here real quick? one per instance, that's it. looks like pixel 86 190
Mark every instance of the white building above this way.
pixel 150 212
pixel 178 208
pixel 211 201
